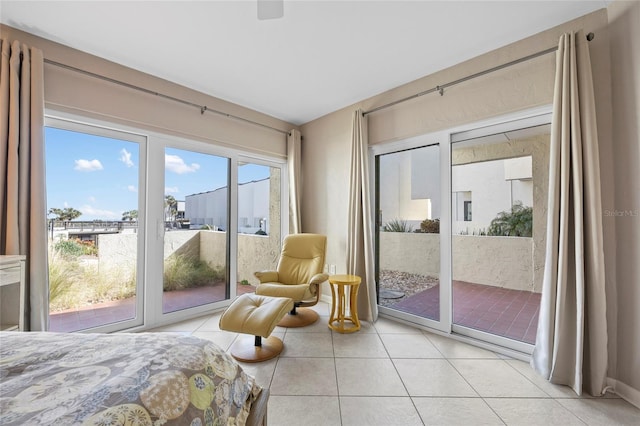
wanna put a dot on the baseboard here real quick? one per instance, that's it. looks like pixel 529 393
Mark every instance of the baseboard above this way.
pixel 326 298
pixel 626 392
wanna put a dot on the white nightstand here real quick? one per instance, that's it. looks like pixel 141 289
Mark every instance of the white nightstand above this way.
pixel 12 292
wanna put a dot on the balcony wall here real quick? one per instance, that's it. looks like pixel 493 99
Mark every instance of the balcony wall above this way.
pixel 255 253
pixel 498 261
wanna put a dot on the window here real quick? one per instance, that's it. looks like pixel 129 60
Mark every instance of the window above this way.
pixel 467 211
pixel 94 184
pixel 151 229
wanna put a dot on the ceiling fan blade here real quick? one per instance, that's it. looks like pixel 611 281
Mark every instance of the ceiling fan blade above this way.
pixel 270 9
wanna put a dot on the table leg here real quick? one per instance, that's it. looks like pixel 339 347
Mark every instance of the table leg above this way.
pixel 332 317
pixel 353 306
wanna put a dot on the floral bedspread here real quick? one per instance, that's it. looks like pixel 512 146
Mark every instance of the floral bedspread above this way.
pixel 120 379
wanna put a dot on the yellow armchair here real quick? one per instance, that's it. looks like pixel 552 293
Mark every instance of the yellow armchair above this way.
pixel 298 277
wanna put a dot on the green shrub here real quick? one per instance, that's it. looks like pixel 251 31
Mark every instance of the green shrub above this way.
pixel 74 247
pixel 397 225
pixel 515 223
pixel 430 226
pixel 71 248
pixel 182 272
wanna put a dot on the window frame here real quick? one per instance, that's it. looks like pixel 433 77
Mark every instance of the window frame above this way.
pixel 151 223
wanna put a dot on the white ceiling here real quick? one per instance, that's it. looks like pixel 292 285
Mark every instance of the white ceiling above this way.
pixel 322 56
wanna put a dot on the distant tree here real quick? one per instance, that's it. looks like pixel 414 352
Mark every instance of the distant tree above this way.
pixel 66 214
pixel 130 215
pixel 172 205
pixel 515 223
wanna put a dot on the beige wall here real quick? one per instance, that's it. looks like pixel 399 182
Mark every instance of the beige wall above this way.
pixel 69 91
pixel 255 253
pixel 497 261
pixel 624 29
pixel 327 141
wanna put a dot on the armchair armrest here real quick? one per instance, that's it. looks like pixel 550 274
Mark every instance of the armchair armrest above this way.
pixel 266 276
pixel 318 279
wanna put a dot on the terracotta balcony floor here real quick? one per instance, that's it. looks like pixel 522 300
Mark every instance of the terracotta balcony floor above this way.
pixel 504 312
pixel 496 310
pixel 121 310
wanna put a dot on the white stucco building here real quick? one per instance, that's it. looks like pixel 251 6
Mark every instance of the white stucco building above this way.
pixel 210 209
pixel 410 189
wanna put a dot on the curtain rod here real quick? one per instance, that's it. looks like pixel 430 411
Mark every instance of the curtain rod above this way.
pixel 202 108
pixel 440 88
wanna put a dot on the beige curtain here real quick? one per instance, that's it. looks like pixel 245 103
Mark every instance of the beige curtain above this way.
pixel 360 252
pixel 571 343
pixel 294 148
pixel 23 228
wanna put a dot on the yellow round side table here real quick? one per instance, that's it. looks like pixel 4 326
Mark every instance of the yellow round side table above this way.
pixel 339 305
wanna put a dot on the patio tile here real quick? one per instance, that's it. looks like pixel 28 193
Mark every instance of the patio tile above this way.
pixel 385 325
pixel 305 376
pixel 409 346
pixel 452 349
pixel 432 377
pixel 220 338
pixel 378 411
pixel 505 312
pixel 555 391
pixel 262 371
pixel 456 411
pixel 300 345
pixel 494 378
pixel 304 410
pixel 368 377
pixel 535 412
pixel 358 346
pixel 603 411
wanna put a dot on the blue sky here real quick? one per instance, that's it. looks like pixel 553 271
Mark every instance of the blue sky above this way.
pixel 99 176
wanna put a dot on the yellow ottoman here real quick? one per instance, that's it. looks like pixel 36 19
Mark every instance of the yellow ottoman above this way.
pixel 257 315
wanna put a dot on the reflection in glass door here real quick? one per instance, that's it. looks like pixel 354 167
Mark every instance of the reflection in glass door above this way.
pixel 259 221
pixel 499 203
pixel 408 202
pixel 93 178
pixel 196 221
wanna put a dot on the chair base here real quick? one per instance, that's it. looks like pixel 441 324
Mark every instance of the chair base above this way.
pixel 245 350
pixel 302 318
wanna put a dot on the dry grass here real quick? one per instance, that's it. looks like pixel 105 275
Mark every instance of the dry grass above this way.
pixel 77 281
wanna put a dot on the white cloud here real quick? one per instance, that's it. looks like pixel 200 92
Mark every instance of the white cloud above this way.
pixel 171 190
pixel 125 157
pixel 132 188
pixel 88 165
pixel 103 214
pixel 92 199
pixel 177 165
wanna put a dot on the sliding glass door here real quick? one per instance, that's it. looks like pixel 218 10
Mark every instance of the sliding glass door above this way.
pixel 150 230
pixel 409 231
pixel 260 219
pixel 412 282
pixel 461 228
pixel 196 221
pixel 95 178
pixel 499 182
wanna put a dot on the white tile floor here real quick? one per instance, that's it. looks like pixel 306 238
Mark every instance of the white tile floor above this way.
pixel 392 374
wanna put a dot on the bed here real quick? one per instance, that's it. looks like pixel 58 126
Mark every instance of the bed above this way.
pixel 123 379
